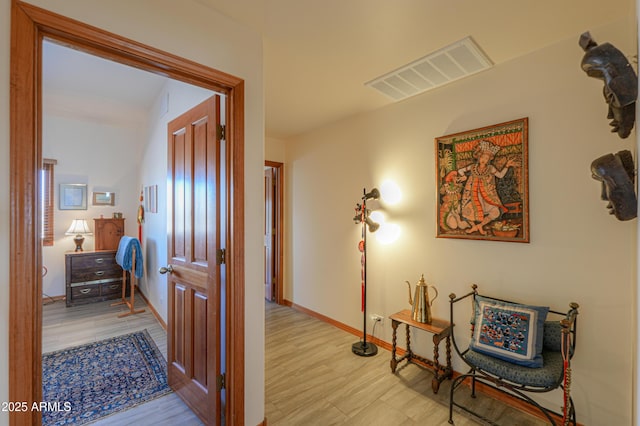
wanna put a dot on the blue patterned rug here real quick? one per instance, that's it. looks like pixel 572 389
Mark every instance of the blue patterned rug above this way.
pixel 84 383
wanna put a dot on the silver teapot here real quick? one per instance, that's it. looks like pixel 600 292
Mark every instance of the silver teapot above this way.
pixel 420 304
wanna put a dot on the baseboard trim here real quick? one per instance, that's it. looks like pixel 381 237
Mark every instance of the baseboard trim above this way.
pixel 486 390
pixel 152 309
pixel 324 318
pixel 46 299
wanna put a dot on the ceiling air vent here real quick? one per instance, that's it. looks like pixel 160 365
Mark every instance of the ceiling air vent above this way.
pixel 460 59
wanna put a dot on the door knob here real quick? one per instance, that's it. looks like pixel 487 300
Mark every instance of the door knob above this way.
pixel 166 269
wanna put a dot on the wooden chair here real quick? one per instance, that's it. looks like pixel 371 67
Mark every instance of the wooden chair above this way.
pixel 519 381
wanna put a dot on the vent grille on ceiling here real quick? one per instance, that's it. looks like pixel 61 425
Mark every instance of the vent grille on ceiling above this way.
pixel 460 59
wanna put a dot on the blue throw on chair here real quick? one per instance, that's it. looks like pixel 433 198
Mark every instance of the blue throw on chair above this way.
pixel 124 255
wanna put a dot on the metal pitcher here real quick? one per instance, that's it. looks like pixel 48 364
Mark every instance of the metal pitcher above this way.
pixel 421 305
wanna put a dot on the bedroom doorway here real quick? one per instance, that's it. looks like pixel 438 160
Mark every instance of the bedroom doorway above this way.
pixel 30 25
pixel 273 232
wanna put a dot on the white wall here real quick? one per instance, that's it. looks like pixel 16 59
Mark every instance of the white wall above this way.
pixel 103 156
pixel 174 99
pixel 578 252
pixel 190 30
pixel 275 150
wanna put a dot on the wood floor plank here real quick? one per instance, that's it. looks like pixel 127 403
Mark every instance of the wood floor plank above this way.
pixel 64 327
pixel 311 375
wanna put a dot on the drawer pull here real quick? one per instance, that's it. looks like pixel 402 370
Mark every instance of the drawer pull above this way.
pixel 114 286
pixel 99 273
pixel 101 260
pixel 85 290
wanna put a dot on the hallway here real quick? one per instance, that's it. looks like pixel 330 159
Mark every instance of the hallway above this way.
pixel 313 378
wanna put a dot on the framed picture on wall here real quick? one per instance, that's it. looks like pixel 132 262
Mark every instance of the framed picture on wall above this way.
pixel 73 196
pixel 482 179
pixel 104 198
pixel 151 198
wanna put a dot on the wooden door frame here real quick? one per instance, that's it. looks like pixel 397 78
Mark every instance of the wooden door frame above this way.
pixel 29 26
pixel 279 251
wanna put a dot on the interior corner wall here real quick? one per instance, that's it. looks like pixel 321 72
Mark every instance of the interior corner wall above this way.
pixel 205 36
pixel 578 251
pixel 274 150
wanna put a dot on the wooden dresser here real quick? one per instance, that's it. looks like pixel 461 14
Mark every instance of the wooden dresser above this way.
pixel 92 276
pixel 108 233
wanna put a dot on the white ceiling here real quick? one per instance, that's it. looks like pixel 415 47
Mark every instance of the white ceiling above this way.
pixel 319 54
pixel 78 84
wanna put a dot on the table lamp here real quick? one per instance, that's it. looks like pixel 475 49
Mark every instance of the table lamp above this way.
pixel 79 228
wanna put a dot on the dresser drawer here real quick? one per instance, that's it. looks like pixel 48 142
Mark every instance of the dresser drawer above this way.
pixel 85 291
pixel 107 289
pixel 94 275
pixel 99 261
pixel 93 266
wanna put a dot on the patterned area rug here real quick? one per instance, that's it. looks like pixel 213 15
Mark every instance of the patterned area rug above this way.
pixel 84 383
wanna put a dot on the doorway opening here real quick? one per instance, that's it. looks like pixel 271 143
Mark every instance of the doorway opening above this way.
pixel 102 121
pixel 273 232
pixel 29 26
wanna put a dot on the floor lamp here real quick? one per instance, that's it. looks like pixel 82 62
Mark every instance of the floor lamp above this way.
pixel 364 348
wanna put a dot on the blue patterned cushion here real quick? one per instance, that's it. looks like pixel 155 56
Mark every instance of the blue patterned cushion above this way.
pixel 552 336
pixel 510 331
pixel 547 376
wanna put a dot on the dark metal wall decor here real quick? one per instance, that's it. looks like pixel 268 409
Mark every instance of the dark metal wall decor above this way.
pixel 607 63
pixel 616 172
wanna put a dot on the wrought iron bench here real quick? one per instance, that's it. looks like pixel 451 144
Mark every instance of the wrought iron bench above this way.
pixel 529 363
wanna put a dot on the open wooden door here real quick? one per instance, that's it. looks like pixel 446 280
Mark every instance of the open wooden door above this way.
pixel 269 234
pixel 195 258
pixel 273 231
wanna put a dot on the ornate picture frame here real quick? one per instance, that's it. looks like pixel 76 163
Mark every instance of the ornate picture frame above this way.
pixel 482 179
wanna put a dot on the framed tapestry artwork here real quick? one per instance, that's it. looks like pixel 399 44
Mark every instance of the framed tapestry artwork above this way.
pixel 482 179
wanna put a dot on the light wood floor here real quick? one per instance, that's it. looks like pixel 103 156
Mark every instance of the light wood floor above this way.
pixel 64 327
pixel 312 377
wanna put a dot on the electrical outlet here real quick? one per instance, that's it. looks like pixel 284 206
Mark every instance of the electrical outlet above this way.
pixel 376 318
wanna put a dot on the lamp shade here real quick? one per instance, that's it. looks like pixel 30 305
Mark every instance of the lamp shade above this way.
pixel 390 192
pixel 79 227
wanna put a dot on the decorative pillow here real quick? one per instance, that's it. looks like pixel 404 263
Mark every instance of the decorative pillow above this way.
pixel 509 331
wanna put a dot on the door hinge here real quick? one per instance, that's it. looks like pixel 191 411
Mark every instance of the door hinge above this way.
pixel 220 382
pixel 221 255
pixel 222 132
